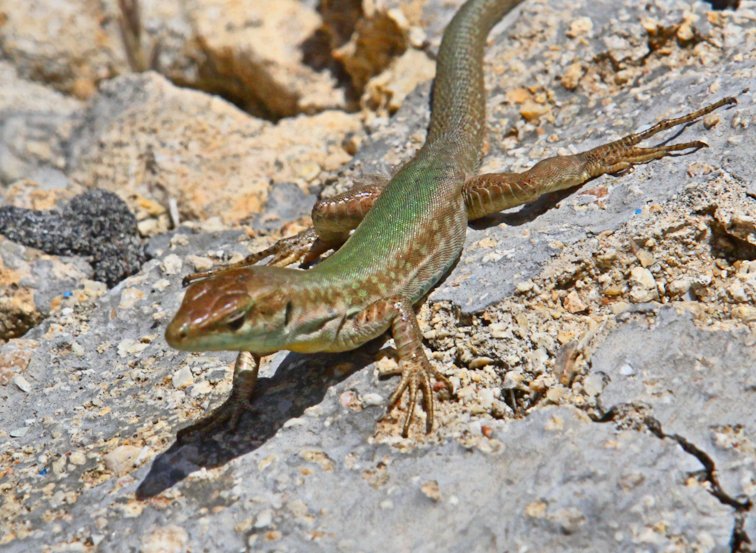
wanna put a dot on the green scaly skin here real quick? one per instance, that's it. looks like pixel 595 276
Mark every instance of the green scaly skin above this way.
pixel 407 242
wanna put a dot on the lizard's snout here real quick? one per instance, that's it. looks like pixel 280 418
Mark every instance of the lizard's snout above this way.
pixel 176 333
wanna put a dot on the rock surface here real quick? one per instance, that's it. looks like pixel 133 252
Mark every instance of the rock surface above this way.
pixel 601 344
pixel 145 138
pixel 95 224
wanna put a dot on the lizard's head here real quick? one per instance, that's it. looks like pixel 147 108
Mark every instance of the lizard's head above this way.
pixel 236 309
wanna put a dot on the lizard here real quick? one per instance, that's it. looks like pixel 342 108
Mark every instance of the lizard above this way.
pixel 393 241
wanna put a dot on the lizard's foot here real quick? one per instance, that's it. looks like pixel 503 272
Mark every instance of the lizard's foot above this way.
pixel 304 246
pixel 230 412
pixel 416 375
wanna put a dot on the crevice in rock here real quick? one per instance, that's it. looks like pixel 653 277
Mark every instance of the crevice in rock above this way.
pixel 655 427
pixel 730 236
pixel 637 416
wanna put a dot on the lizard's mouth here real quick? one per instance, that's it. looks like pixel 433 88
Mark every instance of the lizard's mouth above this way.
pixel 180 336
pixel 177 333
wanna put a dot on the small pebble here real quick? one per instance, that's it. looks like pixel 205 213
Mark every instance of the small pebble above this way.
pixel 200 389
pixel 200 263
pixel 213 224
pixel 77 349
pixel 573 304
pixel 182 378
pixel 593 384
pixel 645 257
pixel 179 240
pixel 711 120
pixel 172 264
pixel 264 519
pixel 638 295
pixel 736 291
pixel 627 370
pixel 512 380
pixel 431 490
pixel 480 362
pixel 744 313
pixel 486 398
pixel 161 284
pixel 121 460
pixel 642 277
pixel 525 286
pixel 679 286
pixel 371 399
pixel 581 26
pixel 22 383
pixel 77 458
pixel 532 111
pixel 386 504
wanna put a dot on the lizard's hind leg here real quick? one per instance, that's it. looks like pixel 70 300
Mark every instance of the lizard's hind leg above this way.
pixel 333 219
pixel 490 193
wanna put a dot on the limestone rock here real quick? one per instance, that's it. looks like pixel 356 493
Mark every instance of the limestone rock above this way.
pixel 35 124
pixel 74 45
pixel 147 138
pixel 254 50
pixel 33 284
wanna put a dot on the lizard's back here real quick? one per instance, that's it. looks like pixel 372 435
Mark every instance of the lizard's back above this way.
pixel 415 231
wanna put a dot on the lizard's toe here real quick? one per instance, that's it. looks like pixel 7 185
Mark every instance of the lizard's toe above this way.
pixel 417 377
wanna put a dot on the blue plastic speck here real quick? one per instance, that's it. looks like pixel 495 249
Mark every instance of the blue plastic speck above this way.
pixel 67 294
pixel 638 211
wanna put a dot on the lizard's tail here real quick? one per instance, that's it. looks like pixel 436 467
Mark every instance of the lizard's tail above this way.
pixel 458 107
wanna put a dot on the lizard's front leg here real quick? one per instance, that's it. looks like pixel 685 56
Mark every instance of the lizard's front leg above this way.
pixel 490 193
pixel 414 367
pixel 246 368
pixel 333 219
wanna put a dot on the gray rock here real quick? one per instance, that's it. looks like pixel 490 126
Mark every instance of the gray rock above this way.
pixel 699 385
pixel 35 124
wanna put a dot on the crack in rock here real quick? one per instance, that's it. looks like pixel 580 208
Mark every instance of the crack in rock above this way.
pixel 636 415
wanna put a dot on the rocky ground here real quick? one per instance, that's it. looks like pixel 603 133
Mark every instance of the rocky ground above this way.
pixel 602 343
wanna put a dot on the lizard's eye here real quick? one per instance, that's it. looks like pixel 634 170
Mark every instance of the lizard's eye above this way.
pixel 234 321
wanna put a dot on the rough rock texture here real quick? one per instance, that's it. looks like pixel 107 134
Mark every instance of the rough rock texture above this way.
pixel 35 124
pixel 72 45
pixel 252 53
pixel 601 344
pixel 96 224
pixel 704 411
pixel 143 137
pixel 32 284
pixel 365 38
pixel 254 50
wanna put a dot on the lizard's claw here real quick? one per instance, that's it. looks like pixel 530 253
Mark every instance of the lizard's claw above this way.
pixel 304 246
pixel 416 375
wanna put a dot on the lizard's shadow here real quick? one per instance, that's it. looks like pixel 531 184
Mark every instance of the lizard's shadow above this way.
pixel 300 381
